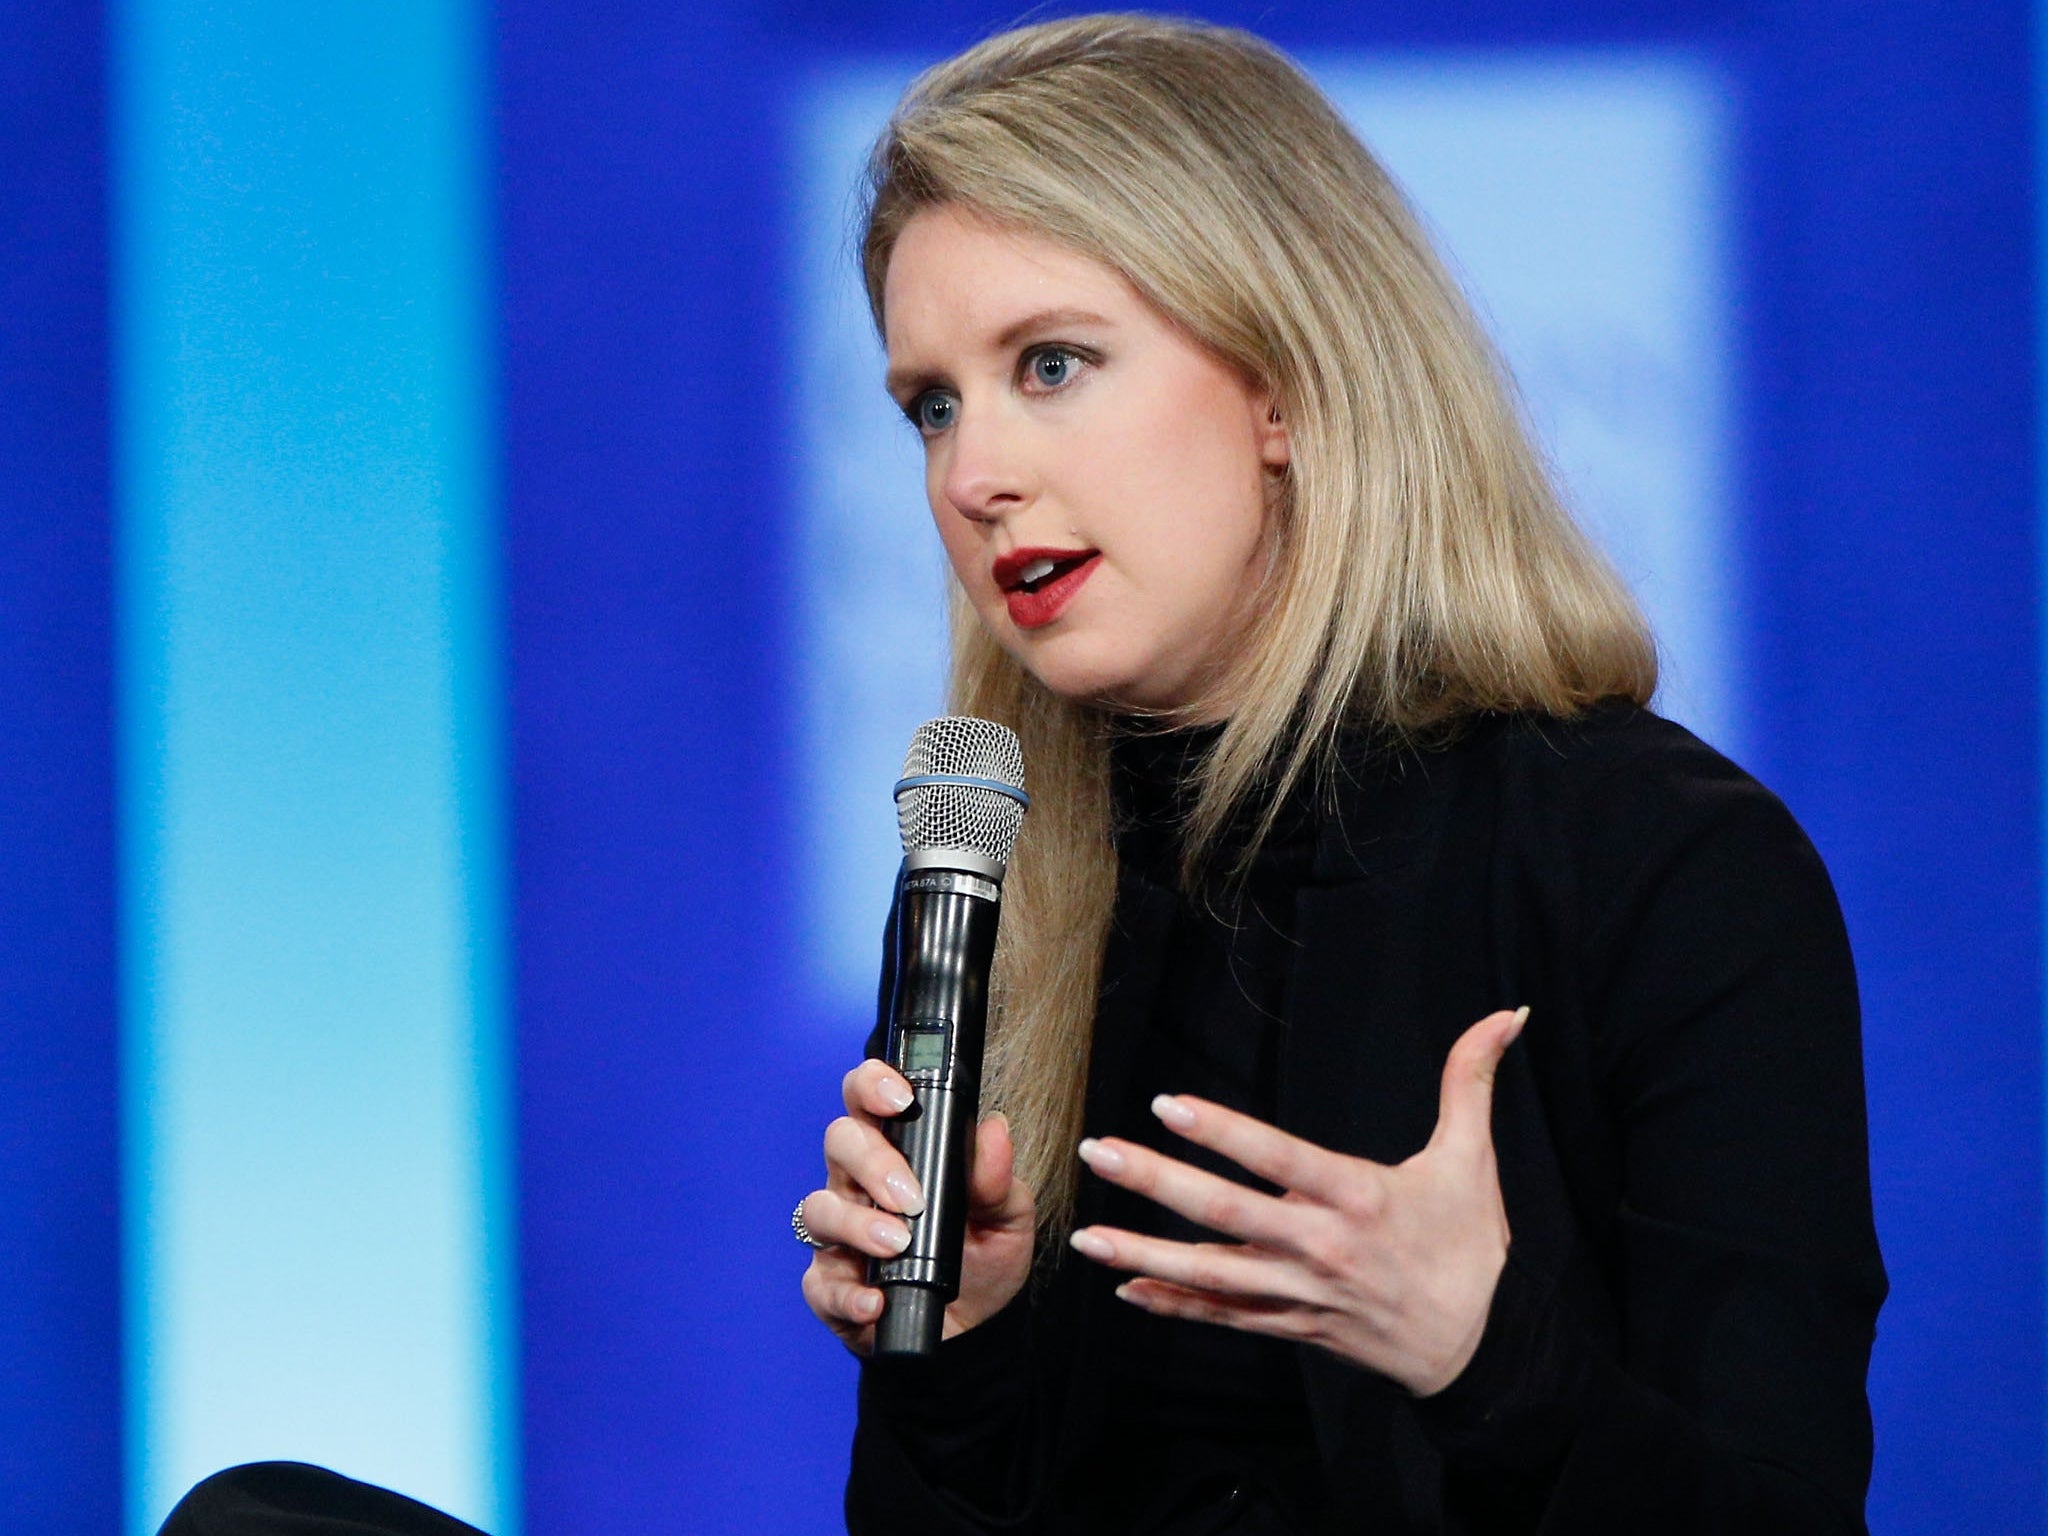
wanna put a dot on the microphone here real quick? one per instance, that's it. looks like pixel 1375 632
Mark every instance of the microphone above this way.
pixel 959 805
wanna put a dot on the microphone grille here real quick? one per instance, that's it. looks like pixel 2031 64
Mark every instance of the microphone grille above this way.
pixel 980 817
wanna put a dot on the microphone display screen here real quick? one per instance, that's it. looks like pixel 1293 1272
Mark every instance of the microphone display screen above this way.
pixel 923 1050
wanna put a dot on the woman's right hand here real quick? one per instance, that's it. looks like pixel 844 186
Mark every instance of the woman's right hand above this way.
pixel 868 1191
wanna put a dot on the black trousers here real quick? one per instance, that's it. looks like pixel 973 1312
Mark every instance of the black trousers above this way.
pixel 289 1498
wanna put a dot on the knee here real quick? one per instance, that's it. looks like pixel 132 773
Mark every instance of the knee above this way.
pixel 288 1498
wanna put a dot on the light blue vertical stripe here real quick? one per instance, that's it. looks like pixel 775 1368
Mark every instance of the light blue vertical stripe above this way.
pixel 317 1204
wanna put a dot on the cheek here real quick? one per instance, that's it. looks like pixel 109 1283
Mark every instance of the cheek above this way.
pixel 1205 498
pixel 965 548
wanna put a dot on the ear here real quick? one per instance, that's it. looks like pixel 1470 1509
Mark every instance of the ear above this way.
pixel 1276 448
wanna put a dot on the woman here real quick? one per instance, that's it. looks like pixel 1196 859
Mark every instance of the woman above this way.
pixel 1339 742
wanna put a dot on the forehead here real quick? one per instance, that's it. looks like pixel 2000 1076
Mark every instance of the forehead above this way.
pixel 958 280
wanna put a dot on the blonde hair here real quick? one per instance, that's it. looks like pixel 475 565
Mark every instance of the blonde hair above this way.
pixel 1423 570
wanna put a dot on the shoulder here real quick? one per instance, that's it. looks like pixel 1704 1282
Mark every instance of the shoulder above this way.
pixel 1618 772
pixel 1597 811
pixel 1592 817
pixel 1651 842
pixel 1622 786
pixel 1617 748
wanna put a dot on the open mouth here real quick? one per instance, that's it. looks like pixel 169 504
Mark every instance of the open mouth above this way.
pixel 1030 571
pixel 1037 584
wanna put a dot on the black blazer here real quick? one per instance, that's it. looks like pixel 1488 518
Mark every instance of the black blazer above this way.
pixel 1680 1338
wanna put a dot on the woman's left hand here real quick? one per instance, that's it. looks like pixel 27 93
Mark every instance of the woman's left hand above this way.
pixel 1393 1268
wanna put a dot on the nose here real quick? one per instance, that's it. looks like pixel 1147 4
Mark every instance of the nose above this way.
pixel 984 474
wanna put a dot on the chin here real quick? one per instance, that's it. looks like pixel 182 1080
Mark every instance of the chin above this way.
pixel 1109 681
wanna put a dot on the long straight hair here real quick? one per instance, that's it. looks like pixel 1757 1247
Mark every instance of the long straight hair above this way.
pixel 1423 569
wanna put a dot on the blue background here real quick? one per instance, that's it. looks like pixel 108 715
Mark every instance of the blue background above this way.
pixel 1885 214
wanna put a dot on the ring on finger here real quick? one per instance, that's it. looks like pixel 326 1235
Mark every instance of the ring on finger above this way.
pixel 803 1233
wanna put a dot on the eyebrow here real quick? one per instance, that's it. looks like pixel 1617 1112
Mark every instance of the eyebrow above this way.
pixel 916 380
pixel 1045 319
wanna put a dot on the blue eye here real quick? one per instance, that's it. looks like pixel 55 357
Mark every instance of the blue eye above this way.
pixel 933 411
pixel 1050 367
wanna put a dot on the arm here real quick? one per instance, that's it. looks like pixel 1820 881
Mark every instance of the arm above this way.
pixel 1724 1017
pixel 938 1444
pixel 1713 979
pixel 935 1437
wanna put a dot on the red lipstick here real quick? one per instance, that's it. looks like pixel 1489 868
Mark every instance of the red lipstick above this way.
pixel 1039 583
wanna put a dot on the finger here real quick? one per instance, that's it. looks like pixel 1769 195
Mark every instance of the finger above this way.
pixel 833 1218
pixel 859 1157
pixel 1221 1268
pixel 1204 1198
pixel 1464 1119
pixel 877 1089
pixel 838 1268
pixel 995 1166
pixel 839 1296
pixel 1255 1146
pixel 1279 1319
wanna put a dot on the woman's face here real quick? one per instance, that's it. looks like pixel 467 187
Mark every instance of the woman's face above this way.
pixel 1100 481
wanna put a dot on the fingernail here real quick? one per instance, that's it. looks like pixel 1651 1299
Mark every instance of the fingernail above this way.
pixel 867 1303
pixel 1091 1246
pixel 1173 1112
pixel 892 1235
pixel 904 1191
pixel 1123 1292
pixel 897 1096
pixel 1521 1018
pixel 1102 1159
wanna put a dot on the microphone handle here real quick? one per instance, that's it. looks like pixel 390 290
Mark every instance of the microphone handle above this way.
pixel 938 1023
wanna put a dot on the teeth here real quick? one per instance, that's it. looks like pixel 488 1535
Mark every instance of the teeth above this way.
pixel 1037 570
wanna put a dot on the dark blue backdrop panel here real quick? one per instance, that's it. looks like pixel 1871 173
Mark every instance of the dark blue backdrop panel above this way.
pixel 663 1116
pixel 60 1363
pixel 936 29
pixel 670 1104
pixel 1895 625
pixel 1894 570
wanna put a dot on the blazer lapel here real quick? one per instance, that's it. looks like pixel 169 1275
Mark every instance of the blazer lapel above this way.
pixel 1131 969
pixel 1359 1068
